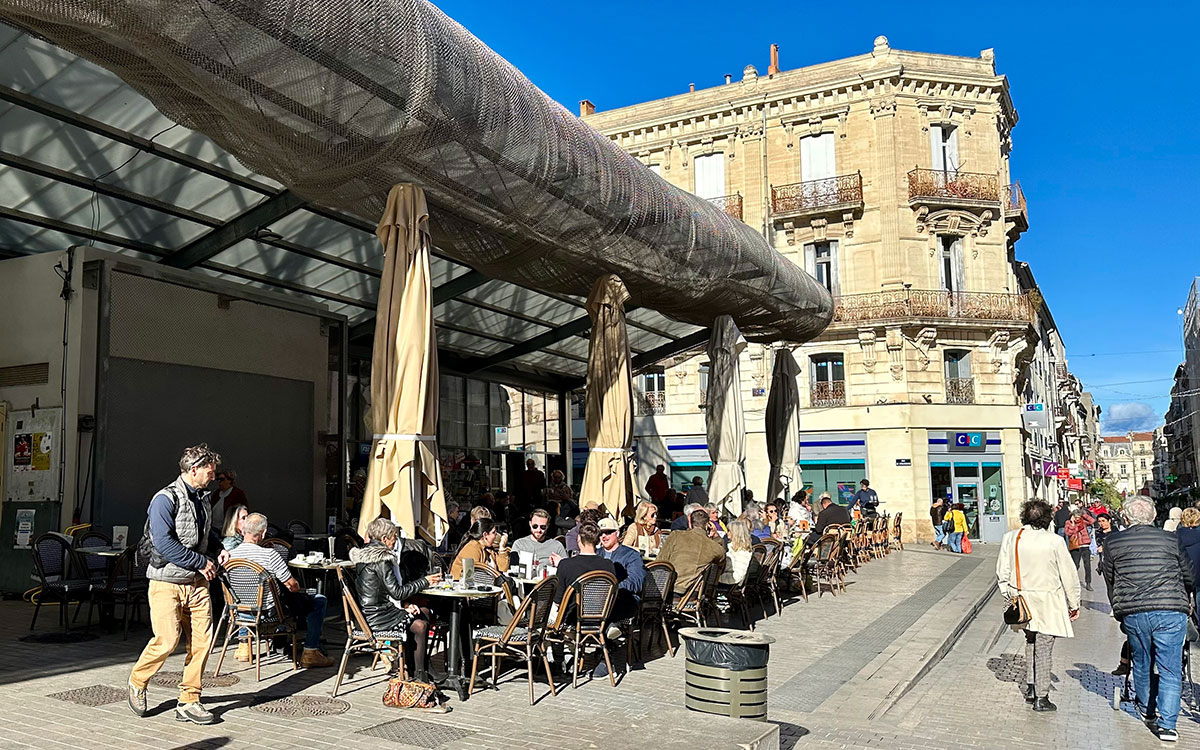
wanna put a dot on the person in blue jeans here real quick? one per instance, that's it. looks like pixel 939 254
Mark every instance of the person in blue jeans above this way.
pixel 1150 583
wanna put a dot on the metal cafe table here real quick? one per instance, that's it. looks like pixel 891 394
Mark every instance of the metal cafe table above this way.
pixel 458 598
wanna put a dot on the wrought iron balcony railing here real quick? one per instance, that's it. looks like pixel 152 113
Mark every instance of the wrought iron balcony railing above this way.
pixel 937 303
pixel 812 196
pixel 1015 200
pixel 828 393
pixel 652 402
pixel 960 390
pixel 953 187
pixel 730 204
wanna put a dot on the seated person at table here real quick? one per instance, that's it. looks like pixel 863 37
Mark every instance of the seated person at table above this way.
pixel 774 520
pixel 644 529
pixel 485 545
pixel 739 555
pixel 714 517
pixel 684 522
pixel 544 548
pixel 231 534
pixel 570 569
pixel 380 588
pixel 478 512
pixel 690 551
pixel 295 602
pixel 831 514
pixel 591 512
pixel 629 568
pixel 457 523
pixel 752 514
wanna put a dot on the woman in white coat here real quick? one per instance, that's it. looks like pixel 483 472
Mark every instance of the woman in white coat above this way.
pixel 1049 583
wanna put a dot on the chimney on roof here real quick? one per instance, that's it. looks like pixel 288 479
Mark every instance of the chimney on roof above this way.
pixel 692 88
pixel 773 68
pixel 586 108
pixel 728 78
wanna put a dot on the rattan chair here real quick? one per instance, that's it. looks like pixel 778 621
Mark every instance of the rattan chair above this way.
pixel 63 578
pixel 691 607
pixel 523 638
pixel 583 616
pixel 253 602
pixel 897 540
pixel 657 586
pixel 360 638
pixel 97 567
pixel 824 562
pixel 738 594
pixel 299 527
pixel 125 585
pixel 767 584
pixel 283 547
pixel 797 572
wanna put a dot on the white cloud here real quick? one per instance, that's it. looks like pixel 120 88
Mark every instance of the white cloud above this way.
pixel 1119 419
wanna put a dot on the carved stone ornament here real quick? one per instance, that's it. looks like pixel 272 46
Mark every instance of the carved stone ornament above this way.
pixel 954 221
pixel 820 229
pixel 895 346
pixel 925 340
pixel 883 107
pixel 866 340
pixel 998 346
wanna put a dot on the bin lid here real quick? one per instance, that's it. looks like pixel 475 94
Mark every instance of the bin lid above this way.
pixel 727 636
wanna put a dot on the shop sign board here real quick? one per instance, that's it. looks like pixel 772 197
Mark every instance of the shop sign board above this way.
pixel 1075 483
pixel 1049 468
pixel 1064 473
pixel 1034 417
pixel 968 441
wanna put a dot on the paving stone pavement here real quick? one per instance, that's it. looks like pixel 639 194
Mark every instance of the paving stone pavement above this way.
pixel 960 702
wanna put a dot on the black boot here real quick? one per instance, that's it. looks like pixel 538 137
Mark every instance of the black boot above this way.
pixel 1122 669
pixel 1044 704
pixel 1030 696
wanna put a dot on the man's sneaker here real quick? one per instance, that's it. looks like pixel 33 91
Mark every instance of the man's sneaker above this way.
pixel 137 699
pixel 1044 704
pixel 601 670
pixel 314 658
pixel 1122 669
pixel 194 712
pixel 1167 735
pixel 1030 695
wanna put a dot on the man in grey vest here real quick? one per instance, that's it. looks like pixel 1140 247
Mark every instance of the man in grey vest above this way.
pixel 178 529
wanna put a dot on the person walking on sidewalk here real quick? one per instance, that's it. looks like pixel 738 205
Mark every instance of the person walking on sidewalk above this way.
pixel 1079 542
pixel 1034 564
pixel 957 528
pixel 937 513
pixel 1150 583
pixel 176 540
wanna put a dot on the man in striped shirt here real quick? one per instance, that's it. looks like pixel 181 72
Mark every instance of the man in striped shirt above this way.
pixel 295 602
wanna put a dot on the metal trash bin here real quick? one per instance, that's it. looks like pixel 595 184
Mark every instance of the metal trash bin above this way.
pixel 726 672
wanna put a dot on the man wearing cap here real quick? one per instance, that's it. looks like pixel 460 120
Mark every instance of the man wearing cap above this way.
pixel 627 561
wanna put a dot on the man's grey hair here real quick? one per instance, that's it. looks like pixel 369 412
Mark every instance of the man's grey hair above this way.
pixel 451 506
pixel 196 456
pixel 687 509
pixel 254 525
pixel 753 507
pixel 1139 512
pixel 711 507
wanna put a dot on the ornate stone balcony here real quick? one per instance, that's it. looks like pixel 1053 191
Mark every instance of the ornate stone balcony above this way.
pixel 901 304
pixel 829 195
pixel 944 188
pixel 960 390
pixel 730 204
pixel 828 393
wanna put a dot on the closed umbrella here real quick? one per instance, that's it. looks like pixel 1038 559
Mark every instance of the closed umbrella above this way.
pixel 724 421
pixel 608 476
pixel 404 476
pixel 783 427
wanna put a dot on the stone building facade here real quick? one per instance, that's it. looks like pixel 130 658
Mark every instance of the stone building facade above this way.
pixel 886 176
pixel 1129 462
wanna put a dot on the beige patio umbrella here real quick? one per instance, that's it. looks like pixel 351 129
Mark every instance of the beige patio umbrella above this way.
pixel 404 478
pixel 608 476
pixel 726 427
pixel 783 427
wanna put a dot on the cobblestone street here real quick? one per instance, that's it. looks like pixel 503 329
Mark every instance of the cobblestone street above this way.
pixel 857 670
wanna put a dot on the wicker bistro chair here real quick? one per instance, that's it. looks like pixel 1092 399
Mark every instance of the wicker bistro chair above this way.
pixel 583 617
pixel 897 540
pixel 847 555
pixel 62 577
pixel 768 586
pixel 657 586
pixel 797 572
pixel 739 594
pixel 862 544
pixel 361 639
pixel 698 600
pixel 825 563
pixel 97 567
pixel 247 586
pixel 283 547
pixel 126 585
pixel 523 638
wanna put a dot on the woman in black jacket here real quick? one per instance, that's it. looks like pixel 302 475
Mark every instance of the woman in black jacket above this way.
pixel 381 594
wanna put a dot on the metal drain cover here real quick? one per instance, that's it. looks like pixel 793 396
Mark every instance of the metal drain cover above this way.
pixel 209 680
pixel 302 705
pixel 59 637
pixel 416 733
pixel 93 695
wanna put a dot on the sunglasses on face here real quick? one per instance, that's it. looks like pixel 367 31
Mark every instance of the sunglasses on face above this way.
pixel 537 525
pixel 606 532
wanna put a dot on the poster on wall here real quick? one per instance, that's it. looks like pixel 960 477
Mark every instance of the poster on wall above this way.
pixel 24 528
pixel 22 451
pixel 40 460
pixel 845 491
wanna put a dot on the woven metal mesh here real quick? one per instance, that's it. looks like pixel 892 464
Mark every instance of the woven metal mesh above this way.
pixel 339 101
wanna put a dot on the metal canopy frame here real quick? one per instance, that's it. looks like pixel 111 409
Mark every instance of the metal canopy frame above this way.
pixel 127 179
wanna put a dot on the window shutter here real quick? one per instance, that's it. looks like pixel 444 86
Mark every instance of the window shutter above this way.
pixel 935 146
pixel 834 269
pixel 959 275
pixel 952 150
pixel 710 175
pixel 828 166
pixel 807 159
pixel 810 260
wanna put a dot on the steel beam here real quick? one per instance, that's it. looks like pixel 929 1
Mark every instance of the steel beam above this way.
pixel 657 354
pixel 541 341
pixel 457 286
pixel 240 227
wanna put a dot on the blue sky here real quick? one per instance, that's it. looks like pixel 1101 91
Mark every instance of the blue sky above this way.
pixel 1106 148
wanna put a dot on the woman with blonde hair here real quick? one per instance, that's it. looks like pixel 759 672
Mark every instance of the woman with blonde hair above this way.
pixel 738 554
pixel 644 526
pixel 231 534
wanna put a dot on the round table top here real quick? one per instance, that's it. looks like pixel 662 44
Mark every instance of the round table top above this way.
pixel 455 593
pixel 101 551
pixel 311 537
pixel 323 565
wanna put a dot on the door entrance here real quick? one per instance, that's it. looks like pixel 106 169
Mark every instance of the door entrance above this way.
pixel 968 495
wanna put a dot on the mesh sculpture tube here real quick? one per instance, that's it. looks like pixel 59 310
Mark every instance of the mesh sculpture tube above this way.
pixel 340 100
